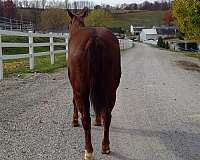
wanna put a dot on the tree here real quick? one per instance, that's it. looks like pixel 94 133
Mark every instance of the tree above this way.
pixel 167 45
pixel 1 8
pixel 66 4
pixel 25 3
pixel 167 18
pixel 43 4
pixel 97 7
pixel 187 15
pixel 132 6
pixel 160 41
pixel 100 18
pixel 75 6
pixel 53 19
pixel 9 9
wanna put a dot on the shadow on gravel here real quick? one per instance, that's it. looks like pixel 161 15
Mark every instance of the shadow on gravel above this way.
pixel 183 144
pixel 187 65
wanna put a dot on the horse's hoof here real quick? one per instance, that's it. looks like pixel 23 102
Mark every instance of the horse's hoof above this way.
pixel 105 151
pixel 95 123
pixel 88 156
pixel 75 124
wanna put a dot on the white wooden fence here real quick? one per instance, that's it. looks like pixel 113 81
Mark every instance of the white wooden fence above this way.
pixel 31 46
pixel 124 44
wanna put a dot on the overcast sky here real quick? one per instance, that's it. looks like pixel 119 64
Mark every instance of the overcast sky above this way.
pixel 114 2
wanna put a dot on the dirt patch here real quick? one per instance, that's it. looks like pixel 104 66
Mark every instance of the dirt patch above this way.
pixel 188 65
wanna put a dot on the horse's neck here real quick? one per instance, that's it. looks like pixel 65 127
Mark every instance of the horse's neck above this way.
pixel 74 30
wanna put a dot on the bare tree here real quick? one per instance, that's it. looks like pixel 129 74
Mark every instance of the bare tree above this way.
pixel 75 6
pixel 1 8
pixel 66 4
pixel 37 4
pixel 25 3
pixel 43 4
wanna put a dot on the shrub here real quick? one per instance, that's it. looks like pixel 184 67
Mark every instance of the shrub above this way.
pixel 167 45
pixel 159 41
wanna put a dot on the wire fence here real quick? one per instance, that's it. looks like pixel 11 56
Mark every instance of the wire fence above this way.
pixel 15 24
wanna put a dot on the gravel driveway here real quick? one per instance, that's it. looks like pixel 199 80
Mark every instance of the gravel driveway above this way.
pixel 156 117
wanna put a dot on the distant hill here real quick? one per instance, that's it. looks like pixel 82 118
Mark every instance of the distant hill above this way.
pixel 120 18
pixel 137 18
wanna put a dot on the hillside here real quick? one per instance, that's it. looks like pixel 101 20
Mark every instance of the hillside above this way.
pixel 120 18
pixel 141 18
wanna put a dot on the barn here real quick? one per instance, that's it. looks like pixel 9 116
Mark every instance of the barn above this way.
pixel 148 34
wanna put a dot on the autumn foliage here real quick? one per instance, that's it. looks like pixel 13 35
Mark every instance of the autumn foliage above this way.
pixel 8 9
pixel 53 19
pixel 168 18
pixel 187 15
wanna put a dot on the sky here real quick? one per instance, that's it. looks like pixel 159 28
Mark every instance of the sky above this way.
pixel 115 2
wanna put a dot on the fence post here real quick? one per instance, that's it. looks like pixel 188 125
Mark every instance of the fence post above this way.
pixel 52 56
pixel 11 27
pixel 66 41
pixel 31 50
pixel 120 44
pixel 1 60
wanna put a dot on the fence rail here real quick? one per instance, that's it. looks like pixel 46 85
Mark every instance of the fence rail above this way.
pixel 124 44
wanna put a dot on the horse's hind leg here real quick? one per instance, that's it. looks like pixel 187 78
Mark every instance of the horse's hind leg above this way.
pixel 106 122
pixel 106 116
pixel 97 121
pixel 86 122
pixel 75 115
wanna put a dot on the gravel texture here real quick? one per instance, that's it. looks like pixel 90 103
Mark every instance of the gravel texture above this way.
pixel 156 117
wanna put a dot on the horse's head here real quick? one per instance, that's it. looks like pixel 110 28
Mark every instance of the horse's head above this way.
pixel 77 20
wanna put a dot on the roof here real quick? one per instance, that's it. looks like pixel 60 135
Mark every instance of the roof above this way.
pixel 149 31
pixel 166 31
pixel 117 30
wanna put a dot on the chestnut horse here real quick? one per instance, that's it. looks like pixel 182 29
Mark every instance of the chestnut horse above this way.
pixel 94 70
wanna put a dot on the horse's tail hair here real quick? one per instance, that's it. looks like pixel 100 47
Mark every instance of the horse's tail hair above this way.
pixel 97 96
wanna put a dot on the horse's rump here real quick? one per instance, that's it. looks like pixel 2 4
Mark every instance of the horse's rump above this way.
pixel 105 71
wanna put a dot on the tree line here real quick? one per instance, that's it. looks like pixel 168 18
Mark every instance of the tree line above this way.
pixel 43 4
pixel 146 5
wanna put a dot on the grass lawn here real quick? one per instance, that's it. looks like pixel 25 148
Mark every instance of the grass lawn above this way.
pixel 42 65
pixel 192 54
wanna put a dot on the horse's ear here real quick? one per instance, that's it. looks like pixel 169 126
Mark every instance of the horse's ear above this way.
pixel 84 12
pixel 71 15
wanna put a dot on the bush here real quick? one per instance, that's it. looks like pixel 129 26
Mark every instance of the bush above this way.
pixel 167 45
pixel 161 43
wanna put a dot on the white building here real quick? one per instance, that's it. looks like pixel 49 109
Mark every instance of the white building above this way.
pixel 148 34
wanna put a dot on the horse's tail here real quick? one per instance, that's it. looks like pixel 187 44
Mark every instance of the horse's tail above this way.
pixel 97 96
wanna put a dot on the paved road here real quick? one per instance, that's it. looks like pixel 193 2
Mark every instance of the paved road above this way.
pixel 156 117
